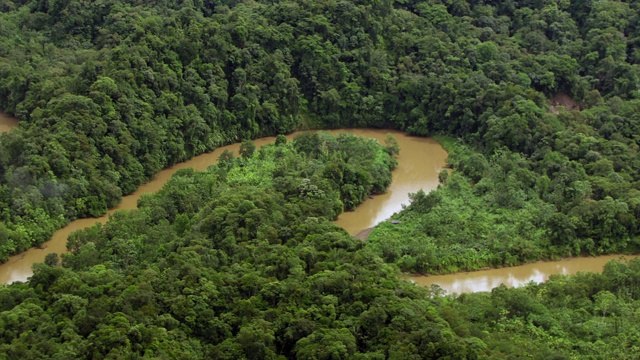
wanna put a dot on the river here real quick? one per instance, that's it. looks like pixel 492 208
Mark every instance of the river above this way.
pixel 7 122
pixel 419 162
pixel 485 280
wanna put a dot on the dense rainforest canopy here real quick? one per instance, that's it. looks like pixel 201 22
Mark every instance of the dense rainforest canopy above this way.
pixel 537 102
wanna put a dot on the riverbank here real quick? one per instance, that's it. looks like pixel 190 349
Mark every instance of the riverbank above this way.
pixel 515 276
pixel 419 162
pixel 362 235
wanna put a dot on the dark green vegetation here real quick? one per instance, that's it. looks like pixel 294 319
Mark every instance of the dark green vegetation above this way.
pixel 209 267
pixel 530 181
pixel 109 93
pixel 507 209
pixel 239 261
pixel 586 316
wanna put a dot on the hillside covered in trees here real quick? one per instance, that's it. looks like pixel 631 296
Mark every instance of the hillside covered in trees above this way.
pixel 110 92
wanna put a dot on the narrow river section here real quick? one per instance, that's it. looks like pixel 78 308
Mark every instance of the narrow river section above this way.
pixel 419 161
pixel 485 280
pixel 7 122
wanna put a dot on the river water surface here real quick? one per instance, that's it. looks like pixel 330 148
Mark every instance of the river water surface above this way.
pixel 485 280
pixel 7 122
pixel 419 162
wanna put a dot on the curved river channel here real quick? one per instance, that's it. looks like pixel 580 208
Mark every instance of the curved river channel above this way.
pixel 419 163
pixel 485 280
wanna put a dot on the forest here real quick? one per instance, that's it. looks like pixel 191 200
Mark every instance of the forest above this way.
pixel 537 102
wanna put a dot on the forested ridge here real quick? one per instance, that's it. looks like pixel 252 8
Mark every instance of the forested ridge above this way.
pixel 109 92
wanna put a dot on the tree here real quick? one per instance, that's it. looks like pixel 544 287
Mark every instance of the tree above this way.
pixel 247 148
pixel 326 344
pixel 51 259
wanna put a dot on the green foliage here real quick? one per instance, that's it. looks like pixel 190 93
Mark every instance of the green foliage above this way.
pixel 506 210
pixel 109 93
pixel 247 148
pixel 210 267
pixel 579 316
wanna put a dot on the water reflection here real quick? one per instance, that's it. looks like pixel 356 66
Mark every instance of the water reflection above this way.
pixel 486 280
pixel 419 163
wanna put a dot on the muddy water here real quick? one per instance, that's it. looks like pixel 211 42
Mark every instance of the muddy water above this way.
pixel 486 280
pixel 7 122
pixel 419 163
pixel 18 268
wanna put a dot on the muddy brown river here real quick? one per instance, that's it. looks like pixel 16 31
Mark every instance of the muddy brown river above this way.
pixel 419 162
pixel 7 122
pixel 485 280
